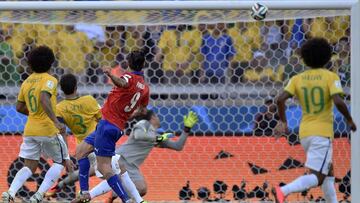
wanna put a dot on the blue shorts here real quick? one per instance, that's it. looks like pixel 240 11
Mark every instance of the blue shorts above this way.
pixel 104 138
pixel 90 139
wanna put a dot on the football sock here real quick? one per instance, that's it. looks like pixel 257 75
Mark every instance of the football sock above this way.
pixel 71 178
pixel 115 184
pixel 130 187
pixel 300 184
pixel 328 188
pixel 101 188
pixel 19 180
pixel 84 168
pixel 51 176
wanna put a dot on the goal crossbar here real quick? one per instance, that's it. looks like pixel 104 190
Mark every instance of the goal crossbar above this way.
pixel 172 5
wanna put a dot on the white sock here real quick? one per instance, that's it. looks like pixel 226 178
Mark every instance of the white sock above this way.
pixel 51 176
pixel 302 183
pixel 101 188
pixel 71 178
pixel 130 187
pixel 328 188
pixel 19 180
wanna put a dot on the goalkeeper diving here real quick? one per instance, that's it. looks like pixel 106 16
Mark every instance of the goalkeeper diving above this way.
pixel 131 155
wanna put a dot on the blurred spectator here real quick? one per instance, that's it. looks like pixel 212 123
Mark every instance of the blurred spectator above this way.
pixel 293 67
pixel 21 34
pixel 266 121
pixel 298 33
pixel 259 70
pixel 72 49
pixel 138 38
pixel 246 38
pixel 218 50
pixel 94 32
pixel 331 28
pixel 341 61
pixel 272 33
pixel 46 35
pixel 177 51
pixel 8 72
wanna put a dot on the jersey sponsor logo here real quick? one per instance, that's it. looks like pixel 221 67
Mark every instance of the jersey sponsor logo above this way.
pixel 140 85
pixel 50 84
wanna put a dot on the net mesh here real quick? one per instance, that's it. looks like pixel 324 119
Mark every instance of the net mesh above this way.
pixel 220 64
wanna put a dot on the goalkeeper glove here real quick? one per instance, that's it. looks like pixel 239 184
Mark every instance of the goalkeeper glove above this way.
pixel 164 137
pixel 190 120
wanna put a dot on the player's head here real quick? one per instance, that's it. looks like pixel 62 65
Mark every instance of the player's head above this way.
pixel 40 59
pixel 68 84
pixel 316 52
pixel 136 60
pixel 151 117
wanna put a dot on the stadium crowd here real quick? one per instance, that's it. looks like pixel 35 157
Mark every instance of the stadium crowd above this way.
pixel 244 52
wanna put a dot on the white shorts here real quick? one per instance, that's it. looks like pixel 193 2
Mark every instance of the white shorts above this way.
pixel 51 147
pixel 319 153
pixel 114 164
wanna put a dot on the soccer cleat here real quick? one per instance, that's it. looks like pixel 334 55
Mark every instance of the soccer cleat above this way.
pixel 144 201
pixel 83 198
pixel 278 195
pixel 36 198
pixel 7 198
pixel 52 191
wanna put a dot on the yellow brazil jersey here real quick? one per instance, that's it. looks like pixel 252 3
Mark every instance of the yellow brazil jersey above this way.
pixel 80 115
pixel 314 88
pixel 38 123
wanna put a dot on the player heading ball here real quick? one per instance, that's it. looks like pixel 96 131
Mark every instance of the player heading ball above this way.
pixel 317 89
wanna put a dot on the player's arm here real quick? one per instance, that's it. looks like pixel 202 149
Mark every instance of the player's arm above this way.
pixel 122 82
pixel 21 108
pixel 46 105
pixel 189 121
pixel 281 105
pixel 21 105
pixel 341 106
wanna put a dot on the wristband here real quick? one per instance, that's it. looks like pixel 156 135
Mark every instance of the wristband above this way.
pixel 187 129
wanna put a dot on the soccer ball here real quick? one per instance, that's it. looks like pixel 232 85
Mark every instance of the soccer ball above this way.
pixel 259 11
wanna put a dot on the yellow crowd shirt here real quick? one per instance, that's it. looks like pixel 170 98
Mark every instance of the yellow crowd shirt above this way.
pixel 189 43
pixel 38 123
pixel 80 115
pixel 314 88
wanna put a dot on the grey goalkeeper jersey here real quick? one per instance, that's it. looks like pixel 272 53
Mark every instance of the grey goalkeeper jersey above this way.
pixel 142 140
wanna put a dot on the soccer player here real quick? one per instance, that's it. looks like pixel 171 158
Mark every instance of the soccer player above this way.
pixel 143 138
pixel 317 89
pixel 130 93
pixel 81 115
pixel 37 100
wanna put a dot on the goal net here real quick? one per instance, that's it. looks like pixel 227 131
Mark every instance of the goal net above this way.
pixel 218 63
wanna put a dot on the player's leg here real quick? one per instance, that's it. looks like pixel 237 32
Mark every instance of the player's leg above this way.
pixel 128 183
pixel 328 186
pixel 318 160
pixel 82 152
pixel 105 141
pixel 55 148
pixel 30 150
pixel 71 178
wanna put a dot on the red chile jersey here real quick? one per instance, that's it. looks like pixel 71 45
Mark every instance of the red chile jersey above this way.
pixel 122 102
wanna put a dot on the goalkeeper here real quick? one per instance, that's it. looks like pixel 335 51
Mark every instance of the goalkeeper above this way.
pixel 143 138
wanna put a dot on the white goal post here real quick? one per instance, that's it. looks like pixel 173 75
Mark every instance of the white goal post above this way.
pixel 352 5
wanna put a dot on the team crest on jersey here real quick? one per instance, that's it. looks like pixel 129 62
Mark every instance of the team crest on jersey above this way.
pixel 50 84
pixel 338 84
